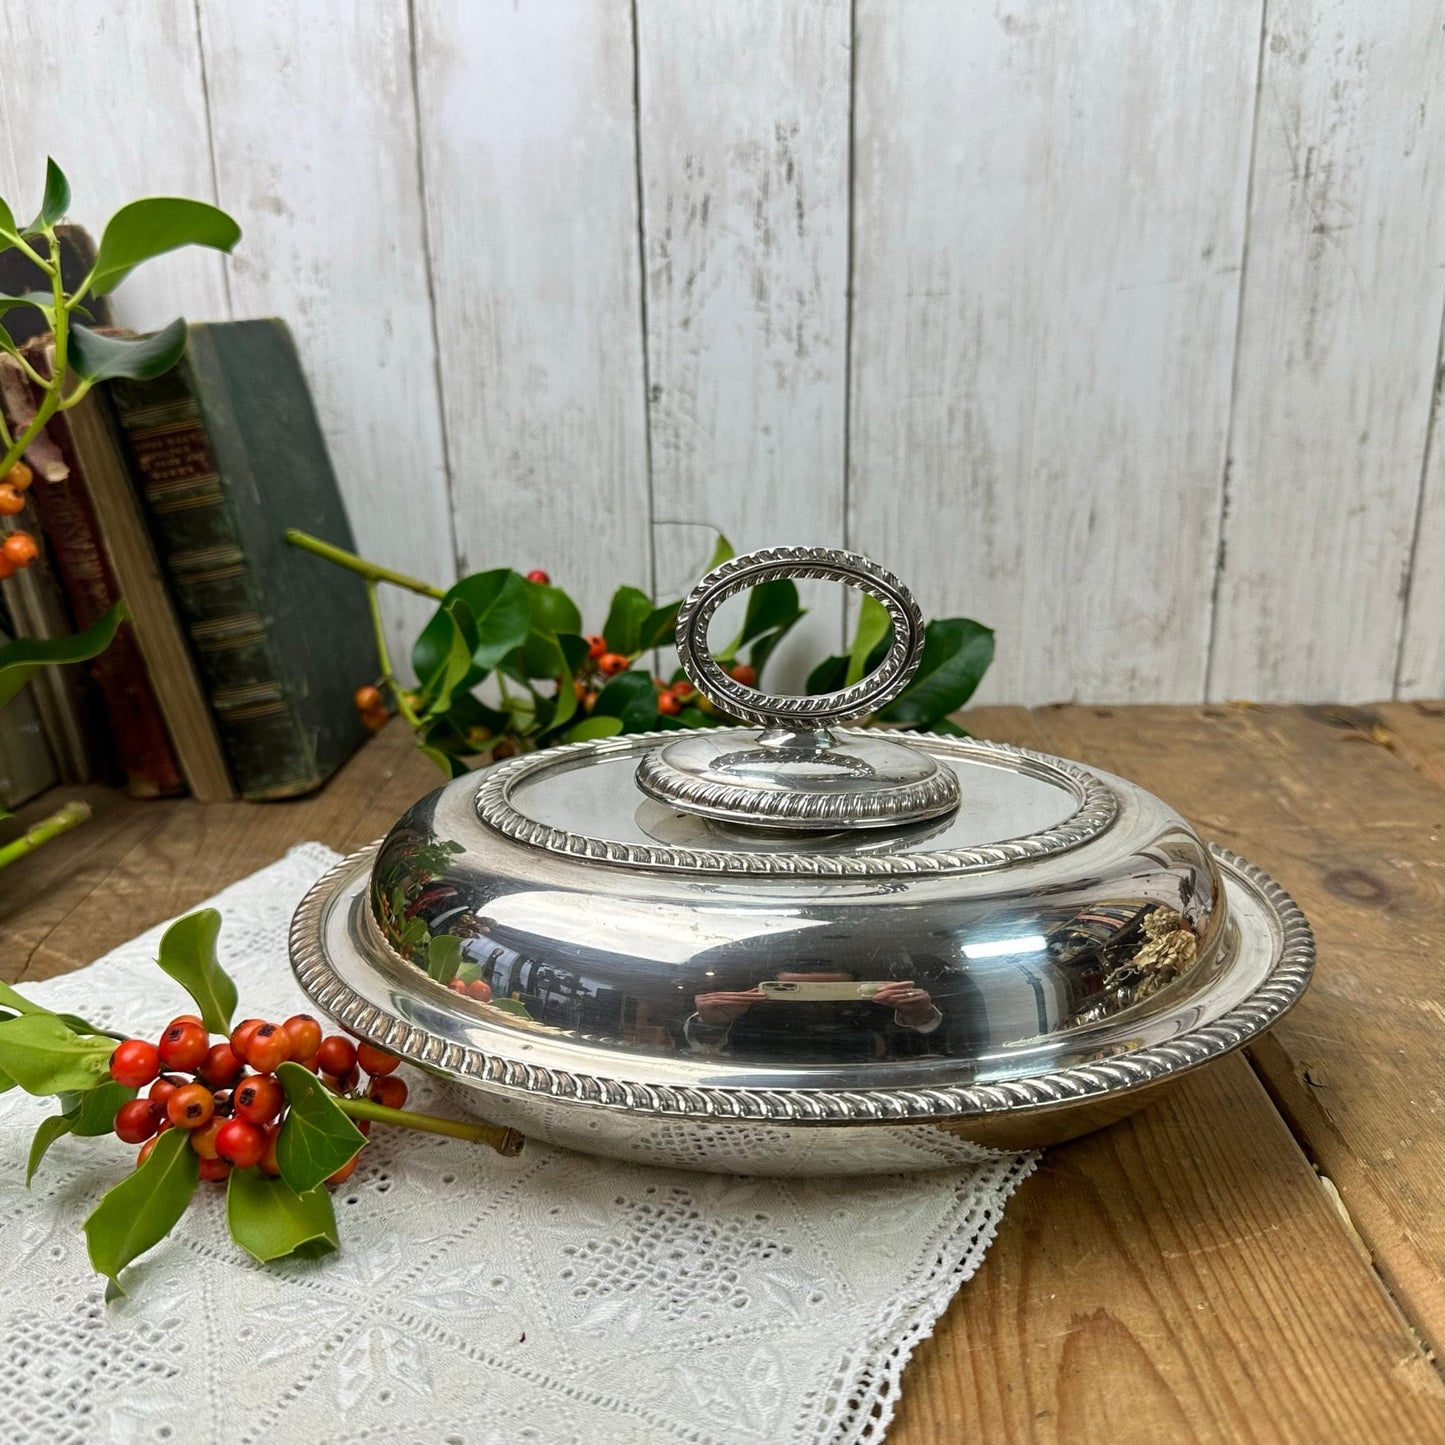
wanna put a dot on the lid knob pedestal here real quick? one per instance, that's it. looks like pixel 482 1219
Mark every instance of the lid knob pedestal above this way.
pixel 799 774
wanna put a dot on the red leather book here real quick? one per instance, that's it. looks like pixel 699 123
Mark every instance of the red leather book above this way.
pixel 138 733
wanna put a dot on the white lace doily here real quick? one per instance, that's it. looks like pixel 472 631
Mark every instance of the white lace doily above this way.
pixel 550 1298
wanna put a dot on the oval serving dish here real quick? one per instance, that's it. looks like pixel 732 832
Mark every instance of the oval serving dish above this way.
pixel 811 950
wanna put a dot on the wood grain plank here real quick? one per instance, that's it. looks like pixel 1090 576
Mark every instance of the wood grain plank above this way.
pixel 1421 669
pixel 528 145
pixel 316 156
pixel 116 96
pixel 1353 832
pixel 1336 353
pixel 1181 1276
pixel 744 168
pixel 1043 334
pixel 1417 734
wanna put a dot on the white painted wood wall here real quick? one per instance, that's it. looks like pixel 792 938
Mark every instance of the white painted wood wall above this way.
pixel 1115 325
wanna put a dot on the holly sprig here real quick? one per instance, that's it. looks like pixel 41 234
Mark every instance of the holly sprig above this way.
pixel 504 665
pixel 277 1136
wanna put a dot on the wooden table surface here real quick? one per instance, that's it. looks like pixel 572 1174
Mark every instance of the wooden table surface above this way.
pixel 1258 1257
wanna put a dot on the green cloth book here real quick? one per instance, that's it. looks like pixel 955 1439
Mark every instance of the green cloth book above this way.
pixel 227 453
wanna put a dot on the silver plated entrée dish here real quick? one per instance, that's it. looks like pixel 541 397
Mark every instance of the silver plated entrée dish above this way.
pixel 807 951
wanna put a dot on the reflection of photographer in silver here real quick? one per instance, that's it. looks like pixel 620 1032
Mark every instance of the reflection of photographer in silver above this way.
pixel 792 1020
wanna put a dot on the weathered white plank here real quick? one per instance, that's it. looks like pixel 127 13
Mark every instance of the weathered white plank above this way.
pixel 316 156
pixel 1338 340
pixel 1421 671
pixel 529 159
pixel 115 95
pixel 1048 221
pixel 744 165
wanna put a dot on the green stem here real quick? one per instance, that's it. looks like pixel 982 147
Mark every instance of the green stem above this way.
pixel 70 816
pixel 369 570
pixel 504 1141
pixel 383 657
pixel 50 401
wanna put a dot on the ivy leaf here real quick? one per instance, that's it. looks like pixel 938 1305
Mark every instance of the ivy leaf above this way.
pixel 317 1138
pixel 43 1056
pixel 595 727
pixel 956 654
pixel 57 198
pixel 623 629
pixel 188 954
pixel 94 357
pixel 151 227
pixel 46 1134
pixel 93 1116
pixel 873 628
pixel 270 1220
pixel 630 697
pixel 25 656
pixel 143 1208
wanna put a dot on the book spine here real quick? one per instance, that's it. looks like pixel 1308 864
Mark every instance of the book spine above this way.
pixel 271 753
pixel 138 735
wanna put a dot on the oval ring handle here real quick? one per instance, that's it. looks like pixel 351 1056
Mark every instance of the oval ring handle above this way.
pixel 805 712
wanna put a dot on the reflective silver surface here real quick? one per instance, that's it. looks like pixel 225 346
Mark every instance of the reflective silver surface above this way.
pixel 672 989
pixel 799 773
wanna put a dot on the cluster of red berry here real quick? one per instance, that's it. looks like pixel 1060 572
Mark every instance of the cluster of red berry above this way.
pixel 235 1117
pixel 19 548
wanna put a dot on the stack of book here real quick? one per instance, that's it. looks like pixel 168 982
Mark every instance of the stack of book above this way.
pixel 235 673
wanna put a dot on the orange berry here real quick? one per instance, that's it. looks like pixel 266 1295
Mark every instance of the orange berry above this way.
pixel 376 1061
pixel 741 672
pixel 305 1035
pixel 191 1106
pixel 346 1170
pixel 10 501
pixel 681 691
pixel 596 647
pixel 375 720
pixel 241 1035
pixel 203 1140
pixel 214 1170
pixel 590 701
pixel 268 1048
pixel 580 689
pixel 389 1091
pixel 7 567
pixel 368 699
pixel 336 1055
pixel 258 1099
pixel 480 989
pixel 19 476
pixel 145 1151
pixel 668 705
pixel 611 663
pixel 20 548
pixel 538 575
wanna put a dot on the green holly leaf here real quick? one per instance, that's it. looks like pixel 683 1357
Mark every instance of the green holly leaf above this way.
pixel 454 666
pixel 270 1220
pixel 39 300
pixel 93 1114
pixel 317 1138
pixel 552 610
pixel 444 957
pixel 25 656
pixel 188 955
pixel 721 552
pixel 57 198
pixel 48 1132
pixel 143 1208
pixel 497 619
pixel 873 628
pixel 956 654
pixel 630 697
pixel 623 629
pixel 827 676
pixel 151 227
pixel 94 357
pixel 659 627
pixel 595 727
pixel 43 1056
pixel 9 231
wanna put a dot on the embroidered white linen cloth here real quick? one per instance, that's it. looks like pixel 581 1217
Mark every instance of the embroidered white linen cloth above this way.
pixel 550 1298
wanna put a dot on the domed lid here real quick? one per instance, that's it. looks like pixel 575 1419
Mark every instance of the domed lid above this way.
pixel 812 919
